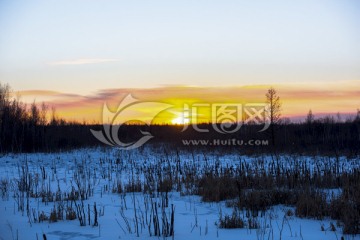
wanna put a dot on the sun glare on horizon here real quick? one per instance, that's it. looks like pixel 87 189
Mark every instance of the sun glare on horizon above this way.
pixel 180 120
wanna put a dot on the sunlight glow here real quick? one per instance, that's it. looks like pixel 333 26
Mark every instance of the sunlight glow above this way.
pixel 180 120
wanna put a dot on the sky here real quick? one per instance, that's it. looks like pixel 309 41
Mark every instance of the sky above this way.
pixel 60 51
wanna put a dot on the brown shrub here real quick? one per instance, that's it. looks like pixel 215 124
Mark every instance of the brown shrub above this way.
pixel 312 204
pixel 70 214
pixel 231 221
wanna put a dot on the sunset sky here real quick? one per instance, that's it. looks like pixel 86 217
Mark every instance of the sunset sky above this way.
pixel 78 55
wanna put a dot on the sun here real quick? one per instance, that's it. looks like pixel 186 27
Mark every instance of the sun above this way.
pixel 180 120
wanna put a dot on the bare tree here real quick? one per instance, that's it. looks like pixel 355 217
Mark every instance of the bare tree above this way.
pixel 310 118
pixel 274 110
pixel 43 114
pixel 357 117
pixel 54 119
pixel 4 109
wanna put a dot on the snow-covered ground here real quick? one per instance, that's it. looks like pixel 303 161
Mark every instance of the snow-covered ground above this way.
pixel 98 171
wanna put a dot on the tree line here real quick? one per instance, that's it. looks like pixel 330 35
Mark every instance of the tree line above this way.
pixel 26 128
pixel 32 128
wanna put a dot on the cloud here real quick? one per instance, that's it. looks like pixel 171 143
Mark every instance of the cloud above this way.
pixel 37 93
pixel 82 61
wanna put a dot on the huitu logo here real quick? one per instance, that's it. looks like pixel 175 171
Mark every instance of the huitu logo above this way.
pixel 110 133
pixel 225 118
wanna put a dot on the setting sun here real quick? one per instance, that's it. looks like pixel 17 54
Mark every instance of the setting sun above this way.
pixel 180 120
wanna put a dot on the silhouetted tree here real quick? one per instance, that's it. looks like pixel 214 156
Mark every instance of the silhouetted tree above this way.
pixel 357 117
pixel 310 118
pixel 274 110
